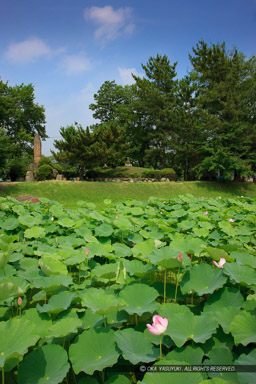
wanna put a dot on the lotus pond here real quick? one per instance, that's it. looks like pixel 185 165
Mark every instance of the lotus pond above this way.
pixel 77 288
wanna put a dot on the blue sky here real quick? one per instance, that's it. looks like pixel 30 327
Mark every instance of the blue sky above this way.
pixel 68 48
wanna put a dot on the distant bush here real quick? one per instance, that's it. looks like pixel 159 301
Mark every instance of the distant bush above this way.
pixel 131 172
pixel 44 172
pixel 158 174
pixel 45 161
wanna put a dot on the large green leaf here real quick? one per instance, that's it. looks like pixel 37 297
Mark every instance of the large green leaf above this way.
pixel 8 289
pixel 93 350
pixel 48 364
pixel 41 322
pixel 243 328
pixel 101 302
pixel 34 232
pixel 191 354
pixel 104 230
pixel 240 273
pixel 135 346
pixel 121 250
pixel 202 279
pixel 50 266
pixel 29 221
pixel 166 257
pixel 221 356
pixel 16 336
pixel 250 359
pixel 4 258
pixel 57 303
pixel 186 326
pixel 64 327
pixel 224 297
pixel 52 282
pixel 225 316
pixel 139 298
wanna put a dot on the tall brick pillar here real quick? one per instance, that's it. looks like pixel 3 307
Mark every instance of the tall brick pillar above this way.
pixel 37 149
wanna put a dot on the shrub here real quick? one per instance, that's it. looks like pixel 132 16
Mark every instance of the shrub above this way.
pixel 45 161
pixel 160 173
pixel 44 172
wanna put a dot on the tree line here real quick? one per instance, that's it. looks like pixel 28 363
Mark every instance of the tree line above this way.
pixel 202 125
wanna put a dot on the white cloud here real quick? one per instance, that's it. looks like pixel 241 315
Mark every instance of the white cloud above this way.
pixel 75 64
pixel 126 75
pixel 28 50
pixel 110 23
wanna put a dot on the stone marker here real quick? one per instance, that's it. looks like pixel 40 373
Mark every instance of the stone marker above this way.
pixel 37 149
pixel 30 176
pixel 128 163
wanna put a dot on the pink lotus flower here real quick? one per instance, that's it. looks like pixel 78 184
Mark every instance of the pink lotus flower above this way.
pixel 19 301
pixel 159 325
pixel 180 257
pixel 116 217
pixel 221 262
pixel 231 220
pixel 87 251
pixel 206 213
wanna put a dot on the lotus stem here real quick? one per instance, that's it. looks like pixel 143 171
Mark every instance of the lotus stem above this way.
pixel 79 274
pixel 165 285
pixel 160 347
pixel 177 283
pixel 3 375
pixel 104 321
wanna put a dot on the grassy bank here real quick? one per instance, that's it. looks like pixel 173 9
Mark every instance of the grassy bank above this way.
pixel 70 192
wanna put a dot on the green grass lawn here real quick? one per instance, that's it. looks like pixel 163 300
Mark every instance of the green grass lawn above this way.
pixel 70 192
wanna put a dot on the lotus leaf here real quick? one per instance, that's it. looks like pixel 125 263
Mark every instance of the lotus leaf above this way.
pixel 42 321
pixel 48 364
pixel 104 230
pixel 93 350
pixel 202 279
pixel 135 346
pixel 57 303
pixel 64 327
pixel 222 356
pixel 50 266
pixel 185 326
pixel 66 222
pixel 121 250
pixel 224 297
pixel 8 290
pixel 29 221
pixel 240 274
pixel 101 302
pixel 250 359
pixel 34 232
pixel 4 258
pixel 243 328
pixel 140 298
pixel 224 317
pixel 192 354
pixel 16 336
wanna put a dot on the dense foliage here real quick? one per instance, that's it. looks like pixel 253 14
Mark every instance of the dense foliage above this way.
pixel 77 288
pixel 202 125
pixel 20 119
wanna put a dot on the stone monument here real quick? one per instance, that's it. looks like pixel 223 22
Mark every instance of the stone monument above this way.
pixel 37 149
pixel 30 175
pixel 128 163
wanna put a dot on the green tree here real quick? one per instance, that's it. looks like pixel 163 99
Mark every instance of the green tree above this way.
pixel 20 119
pixel 157 100
pixel 224 82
